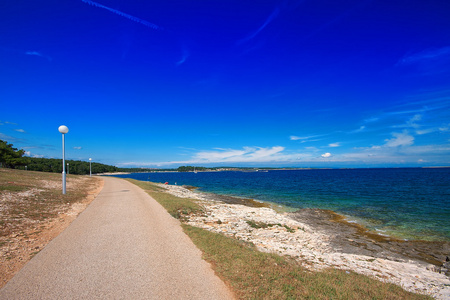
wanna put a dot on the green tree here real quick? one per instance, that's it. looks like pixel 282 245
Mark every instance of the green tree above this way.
pixel 10 157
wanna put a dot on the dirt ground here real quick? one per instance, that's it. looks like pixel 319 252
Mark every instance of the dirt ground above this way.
pixel 26 229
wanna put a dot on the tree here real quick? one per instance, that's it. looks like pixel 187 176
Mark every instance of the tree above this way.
pixel 10 157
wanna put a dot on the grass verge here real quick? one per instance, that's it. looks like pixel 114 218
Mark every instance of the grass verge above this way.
pixel 252 274
pixel 179 208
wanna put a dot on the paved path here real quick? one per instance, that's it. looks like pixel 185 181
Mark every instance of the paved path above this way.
pixel 123 246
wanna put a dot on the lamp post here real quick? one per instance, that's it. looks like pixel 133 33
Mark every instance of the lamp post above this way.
pixel 63 129
pixel 90 167
pixel 67 168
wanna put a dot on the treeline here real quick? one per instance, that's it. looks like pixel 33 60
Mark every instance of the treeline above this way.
pixel 13 158
pixel 190 169
pixel 10 157
pixel 143 170
pixel 76 167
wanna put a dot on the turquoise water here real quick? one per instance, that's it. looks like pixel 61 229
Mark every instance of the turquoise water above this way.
pixel 410 203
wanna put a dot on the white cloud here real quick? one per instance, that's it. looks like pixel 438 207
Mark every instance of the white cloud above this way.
pixel 305 138
pixel 248 154
pixel 77 148
pixel 29 154
pixel 361 128
pixel 425 131
pixel 20 130
pixel 426 55
pixel 333 145
pixel 35 53
pixel 296 138
pixel 412 122
pixel 326 155
pixel 400 139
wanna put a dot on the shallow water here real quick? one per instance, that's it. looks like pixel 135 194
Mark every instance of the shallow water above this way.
pixel 410 203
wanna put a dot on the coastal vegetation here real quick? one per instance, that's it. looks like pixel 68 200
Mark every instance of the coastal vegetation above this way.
pixel 256 275
pixel 11 157
pixel 33 200
pixel 190 169
pixel 75 167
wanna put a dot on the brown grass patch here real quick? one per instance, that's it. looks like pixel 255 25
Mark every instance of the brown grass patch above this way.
pixel 33 211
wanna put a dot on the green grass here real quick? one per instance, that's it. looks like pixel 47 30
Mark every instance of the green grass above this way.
pixel 177 207
pixel 252 274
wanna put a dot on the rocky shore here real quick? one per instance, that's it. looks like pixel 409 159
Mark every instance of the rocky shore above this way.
pixel 321 239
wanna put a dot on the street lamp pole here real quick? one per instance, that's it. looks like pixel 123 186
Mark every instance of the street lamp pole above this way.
pixel 90 167
pixel 63 129
pixel 67 168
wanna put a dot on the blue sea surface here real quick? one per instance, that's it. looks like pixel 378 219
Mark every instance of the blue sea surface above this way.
pixel 408 203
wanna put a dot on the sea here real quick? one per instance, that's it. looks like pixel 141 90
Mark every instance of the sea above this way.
pixel 406 203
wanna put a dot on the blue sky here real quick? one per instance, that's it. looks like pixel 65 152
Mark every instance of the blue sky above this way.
pixel 238 83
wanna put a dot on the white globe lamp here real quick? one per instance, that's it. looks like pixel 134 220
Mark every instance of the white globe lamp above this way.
pixel 63 129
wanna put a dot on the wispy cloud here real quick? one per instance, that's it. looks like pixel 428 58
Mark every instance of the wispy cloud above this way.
pixel 411 122
pixel 426 131
pixel 334 145
pixel 247 154
pixel 11 123
pixel 272 16
pixel 122 14
pixel 429 62
pixel 19 130
pixel 7 137
pixel 360 129
pixel 304 139
pixel 77 148
pixel 426 55
pixel 185 55
pixel 35 53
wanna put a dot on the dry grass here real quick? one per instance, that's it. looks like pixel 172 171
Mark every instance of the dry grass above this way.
pixel 33 211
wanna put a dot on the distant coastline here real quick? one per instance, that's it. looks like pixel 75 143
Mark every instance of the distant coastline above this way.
pixel 263 169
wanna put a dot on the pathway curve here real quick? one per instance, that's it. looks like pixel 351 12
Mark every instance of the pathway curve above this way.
pixel 123 246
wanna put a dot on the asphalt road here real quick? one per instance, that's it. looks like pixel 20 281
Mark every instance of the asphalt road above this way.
pixel 123 246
